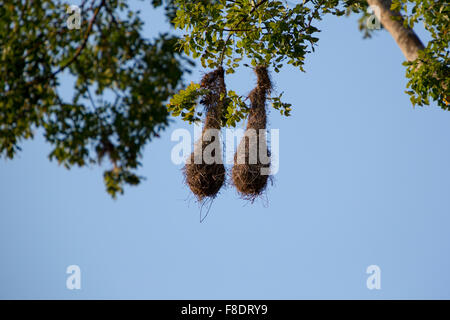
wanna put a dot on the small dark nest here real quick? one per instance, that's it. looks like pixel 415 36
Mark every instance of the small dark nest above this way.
pixel 205 180
pixel 247 177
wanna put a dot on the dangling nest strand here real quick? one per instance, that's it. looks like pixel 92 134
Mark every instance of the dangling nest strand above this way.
pixel 204 171
pixel 252 159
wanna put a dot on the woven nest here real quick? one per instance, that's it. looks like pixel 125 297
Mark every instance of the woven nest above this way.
pixel 250 174
pixel 204 178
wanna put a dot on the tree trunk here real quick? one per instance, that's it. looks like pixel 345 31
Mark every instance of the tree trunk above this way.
pixel 406 38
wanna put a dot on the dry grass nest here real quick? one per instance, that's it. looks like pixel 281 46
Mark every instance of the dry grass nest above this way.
pixel 247 177
pixel 205 180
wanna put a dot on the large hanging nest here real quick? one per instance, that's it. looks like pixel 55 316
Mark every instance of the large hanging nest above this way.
pixel 204 171
pixel 252 158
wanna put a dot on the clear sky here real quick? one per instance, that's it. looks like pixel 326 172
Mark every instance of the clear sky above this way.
pixel 363 180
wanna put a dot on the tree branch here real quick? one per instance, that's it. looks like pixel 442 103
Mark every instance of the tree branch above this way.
pixel 406 38
pixel 83 44
pixel 74 57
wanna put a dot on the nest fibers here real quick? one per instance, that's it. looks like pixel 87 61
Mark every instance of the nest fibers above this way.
pixel 204 171
pixel 252 159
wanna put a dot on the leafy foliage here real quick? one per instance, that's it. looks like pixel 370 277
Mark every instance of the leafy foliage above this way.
pixel 121 83
pixel 123 80
pixel 187 100
pixel 274 33
pixel 429 75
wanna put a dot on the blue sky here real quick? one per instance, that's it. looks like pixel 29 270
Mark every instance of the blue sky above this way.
pixel 363 180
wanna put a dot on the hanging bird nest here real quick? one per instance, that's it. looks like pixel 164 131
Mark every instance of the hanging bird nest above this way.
pixel 250 172
pixel 205 176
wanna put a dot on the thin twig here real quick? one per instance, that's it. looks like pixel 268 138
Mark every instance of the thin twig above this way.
pixel 83 44
pixel 91 98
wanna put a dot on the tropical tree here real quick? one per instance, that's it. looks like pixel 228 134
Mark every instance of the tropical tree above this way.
pixel 122 81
